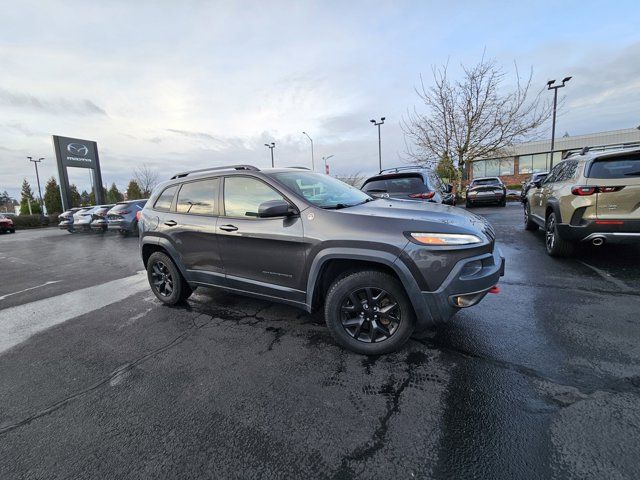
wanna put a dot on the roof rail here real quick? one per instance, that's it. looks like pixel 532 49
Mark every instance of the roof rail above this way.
pixel 397 169
pixel 212 169
pixel 584 150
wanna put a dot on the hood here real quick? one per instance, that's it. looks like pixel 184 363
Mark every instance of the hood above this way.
pixel 422 211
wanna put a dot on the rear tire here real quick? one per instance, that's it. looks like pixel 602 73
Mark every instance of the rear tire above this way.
pixel 166 281
pixel 13 230
pixel 529 224
pixel 369 305
pixel 503 203
pixel 555 245
pixel 468 204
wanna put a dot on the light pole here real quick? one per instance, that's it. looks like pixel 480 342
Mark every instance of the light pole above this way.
pixel 551 86
pixel 377 124
pixel 271 147
pixel 313 166
pixel 36 162
pixel 326 167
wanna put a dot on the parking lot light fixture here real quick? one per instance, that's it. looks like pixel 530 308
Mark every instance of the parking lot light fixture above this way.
pixel 271 146
pixel 36 162
pixel 313 169
pixel 552 86
pixel 377 124
pixel 326 165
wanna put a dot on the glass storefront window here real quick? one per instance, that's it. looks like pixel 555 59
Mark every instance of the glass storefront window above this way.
pixel 506 166
pixel 492 168
pixel 539 162
pixel 478 169
pixel 525 164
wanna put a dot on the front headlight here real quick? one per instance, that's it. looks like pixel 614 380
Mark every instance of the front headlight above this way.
pixel 445 238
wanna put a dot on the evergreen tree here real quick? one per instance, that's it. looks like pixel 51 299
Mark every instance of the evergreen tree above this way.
pixel 133 191
pixel 52 199
pixel 6 202
pixel 113 194
pixel 76 200
pixel 85 198
pixel 26 198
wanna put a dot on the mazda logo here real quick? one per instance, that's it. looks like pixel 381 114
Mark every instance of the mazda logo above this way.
pixel 77 149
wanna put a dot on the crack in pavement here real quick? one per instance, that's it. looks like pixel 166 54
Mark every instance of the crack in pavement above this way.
pixel 378 438
pixel 588 387
pixel 117 373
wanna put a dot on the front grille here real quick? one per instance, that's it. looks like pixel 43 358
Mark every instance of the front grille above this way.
pixel 489 231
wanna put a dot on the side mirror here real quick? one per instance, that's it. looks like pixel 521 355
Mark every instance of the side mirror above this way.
pixel 274 208
pixel 448 188
pixel 537 183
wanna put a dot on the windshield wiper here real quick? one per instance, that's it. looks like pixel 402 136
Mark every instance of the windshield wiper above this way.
pixel 633 173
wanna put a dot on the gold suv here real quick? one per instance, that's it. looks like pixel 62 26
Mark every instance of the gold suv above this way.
pixel 589 197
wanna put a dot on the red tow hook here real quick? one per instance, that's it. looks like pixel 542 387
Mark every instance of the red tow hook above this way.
pixel 494 289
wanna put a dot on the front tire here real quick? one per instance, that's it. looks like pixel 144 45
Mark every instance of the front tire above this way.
pixel 529 224
pixel 368 312
pixel 555 245
pixel 166 281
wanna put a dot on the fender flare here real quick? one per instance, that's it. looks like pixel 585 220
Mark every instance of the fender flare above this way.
pixel 374 256
pixel 555 205
pixel 169 248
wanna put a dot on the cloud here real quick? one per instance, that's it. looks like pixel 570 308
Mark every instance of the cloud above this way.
pixel 198 135
pixel 53 105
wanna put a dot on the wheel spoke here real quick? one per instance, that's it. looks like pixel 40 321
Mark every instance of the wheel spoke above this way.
pixel 356 333
pixel 364 324
pixel 357 304
pixel 352 322
pixel 383 330
pixel 386 309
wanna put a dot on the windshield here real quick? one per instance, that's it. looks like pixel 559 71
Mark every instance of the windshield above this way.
pixel 322 190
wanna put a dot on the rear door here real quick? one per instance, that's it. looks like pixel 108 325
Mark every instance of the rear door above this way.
pixel 619 180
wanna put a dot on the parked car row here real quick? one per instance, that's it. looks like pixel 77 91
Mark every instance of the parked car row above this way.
pixel 120 217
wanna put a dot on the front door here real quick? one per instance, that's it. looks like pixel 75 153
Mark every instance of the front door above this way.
pixel 260 255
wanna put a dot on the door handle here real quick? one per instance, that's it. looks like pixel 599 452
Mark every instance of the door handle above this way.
pixel 228 228
pixel 171 223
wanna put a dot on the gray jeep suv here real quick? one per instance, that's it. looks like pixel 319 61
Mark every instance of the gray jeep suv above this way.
pixel 379 268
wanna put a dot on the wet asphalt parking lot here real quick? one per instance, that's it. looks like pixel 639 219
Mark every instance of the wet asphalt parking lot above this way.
pixel 98 380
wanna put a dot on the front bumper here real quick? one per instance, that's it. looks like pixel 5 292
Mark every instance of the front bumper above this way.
pixel 467 283
pixel 628 232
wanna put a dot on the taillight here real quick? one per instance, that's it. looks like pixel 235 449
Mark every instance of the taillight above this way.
pixel 425 195
pixel 138 215
pixel 124 212
pixel 585 190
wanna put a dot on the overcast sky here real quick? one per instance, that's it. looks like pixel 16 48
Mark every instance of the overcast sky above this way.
pixel 184 84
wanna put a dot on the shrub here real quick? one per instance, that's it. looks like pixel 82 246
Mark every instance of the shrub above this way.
pixel 31 221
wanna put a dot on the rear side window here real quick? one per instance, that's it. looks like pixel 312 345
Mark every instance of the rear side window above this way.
pixel 618 167
pixel 198 198
pixel 120 206
pixel 243 196
pixel 165 199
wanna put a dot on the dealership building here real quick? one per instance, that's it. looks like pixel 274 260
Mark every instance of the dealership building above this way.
pixel 532 157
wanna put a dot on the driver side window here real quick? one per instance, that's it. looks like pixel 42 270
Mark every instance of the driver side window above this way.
pixel 243 196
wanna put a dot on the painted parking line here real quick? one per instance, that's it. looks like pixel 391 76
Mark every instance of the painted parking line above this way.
pixel 19 323
pixel 30 288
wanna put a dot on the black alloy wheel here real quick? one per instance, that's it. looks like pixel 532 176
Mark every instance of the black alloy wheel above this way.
pixel 162 279
pixel 370 314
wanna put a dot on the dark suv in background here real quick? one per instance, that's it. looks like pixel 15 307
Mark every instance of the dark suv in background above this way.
pixel 379 268
pixel 409 183
pixel 122 217
pixel 486 191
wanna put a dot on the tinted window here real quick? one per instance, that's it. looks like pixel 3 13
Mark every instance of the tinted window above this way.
pixel 120 206
pixel 406 185
pixel 618 167
pixel 165 199
pixel 243 196
pixel 375 185
pixel 198 197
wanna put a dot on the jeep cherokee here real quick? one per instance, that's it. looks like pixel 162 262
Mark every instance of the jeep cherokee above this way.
pixel 588 197
pixel 379 268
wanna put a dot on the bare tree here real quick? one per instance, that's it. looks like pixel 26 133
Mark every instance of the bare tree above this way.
pixel 474 117
pixel 353 179
pixel 146 178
